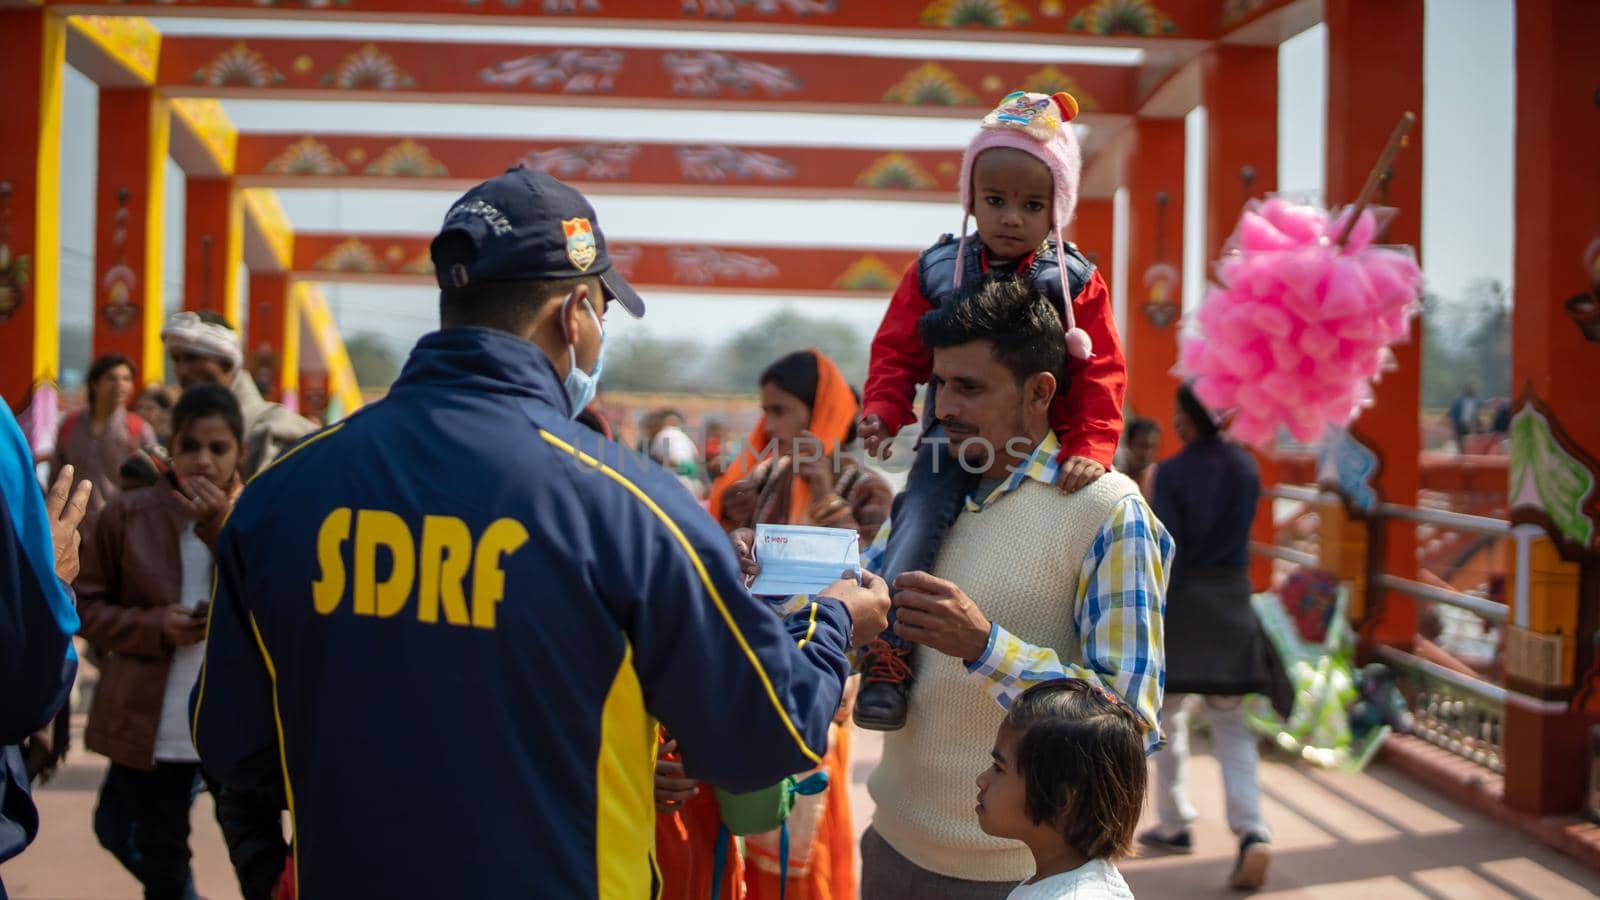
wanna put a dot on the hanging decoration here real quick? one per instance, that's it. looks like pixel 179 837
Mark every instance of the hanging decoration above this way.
pixel 119 281
pixel 1304 314
pixel 13 268
pixel 1161 278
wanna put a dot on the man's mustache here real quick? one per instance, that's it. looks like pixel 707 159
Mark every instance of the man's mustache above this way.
pixel 958 425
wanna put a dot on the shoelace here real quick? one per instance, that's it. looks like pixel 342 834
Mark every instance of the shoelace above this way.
pixel 884 663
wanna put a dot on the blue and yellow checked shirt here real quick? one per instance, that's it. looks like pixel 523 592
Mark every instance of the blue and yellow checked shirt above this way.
pixel 1121 597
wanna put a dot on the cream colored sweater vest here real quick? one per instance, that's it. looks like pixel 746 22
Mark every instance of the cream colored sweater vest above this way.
pixel 1019 562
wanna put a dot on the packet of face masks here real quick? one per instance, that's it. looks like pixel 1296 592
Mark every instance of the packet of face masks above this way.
pixel 803 559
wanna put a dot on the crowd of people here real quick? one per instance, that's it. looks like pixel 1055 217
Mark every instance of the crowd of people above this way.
pixel 476 648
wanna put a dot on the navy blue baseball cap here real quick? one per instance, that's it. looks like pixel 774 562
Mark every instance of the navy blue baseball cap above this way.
pixel 525 226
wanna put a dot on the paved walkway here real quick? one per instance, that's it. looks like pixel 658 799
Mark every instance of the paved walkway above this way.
pixel 1362 837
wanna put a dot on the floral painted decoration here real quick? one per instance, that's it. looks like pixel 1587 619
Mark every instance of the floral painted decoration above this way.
pixel 897 171
pixel 350 255
pixel 368 69
pixel 407 159
pixel 237 66
pixel 980 13
pixel 1139 17
pixel 307 156
pixel 930 84
pixel 869 273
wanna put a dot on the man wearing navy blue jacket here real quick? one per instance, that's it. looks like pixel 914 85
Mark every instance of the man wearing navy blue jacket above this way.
pixel 38 557
pixel 450 624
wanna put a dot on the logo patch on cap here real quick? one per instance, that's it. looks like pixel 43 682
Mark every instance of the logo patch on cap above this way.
pixel 580 242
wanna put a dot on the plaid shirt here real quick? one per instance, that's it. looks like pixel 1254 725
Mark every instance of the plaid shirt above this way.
pixel 1118 610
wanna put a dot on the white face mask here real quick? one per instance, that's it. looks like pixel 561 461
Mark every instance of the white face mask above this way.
pixel 581 386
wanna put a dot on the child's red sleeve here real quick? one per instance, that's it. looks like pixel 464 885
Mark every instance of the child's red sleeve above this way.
pixel 900 362
pixel 1087 415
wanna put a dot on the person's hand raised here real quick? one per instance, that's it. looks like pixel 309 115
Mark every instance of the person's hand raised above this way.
pixel 208 505
pixel 867 601
pixel 744 546
pixel 65 507
pixel 812 465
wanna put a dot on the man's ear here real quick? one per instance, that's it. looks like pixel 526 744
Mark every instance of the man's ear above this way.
pixel 570 310
pixel 1039 390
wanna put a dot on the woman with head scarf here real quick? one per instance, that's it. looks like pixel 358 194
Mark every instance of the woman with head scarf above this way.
pixel 792 470
pixel 795 471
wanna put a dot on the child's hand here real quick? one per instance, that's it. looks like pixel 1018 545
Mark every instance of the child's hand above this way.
pixel 673 788
pixel 1078 472
pixel 874 435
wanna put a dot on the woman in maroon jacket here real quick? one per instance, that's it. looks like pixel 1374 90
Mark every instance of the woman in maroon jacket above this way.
pixel 143 595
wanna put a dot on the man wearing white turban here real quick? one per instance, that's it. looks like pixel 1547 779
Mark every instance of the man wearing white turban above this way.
pixel 204 348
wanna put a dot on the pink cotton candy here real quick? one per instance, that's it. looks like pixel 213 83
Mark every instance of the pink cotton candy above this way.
pixel 1360 236
pixel 1256 234
pixel 1298 327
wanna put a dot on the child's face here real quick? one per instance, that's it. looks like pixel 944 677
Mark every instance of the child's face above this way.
pixel 1012 198
pixel 1002 806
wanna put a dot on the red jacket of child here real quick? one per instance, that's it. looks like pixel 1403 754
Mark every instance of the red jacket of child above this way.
pixel 1086 414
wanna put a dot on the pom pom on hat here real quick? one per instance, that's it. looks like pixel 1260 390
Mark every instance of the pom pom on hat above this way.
pixel 1079 346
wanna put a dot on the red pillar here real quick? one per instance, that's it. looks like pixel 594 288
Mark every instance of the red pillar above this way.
pixel 213 237
pixel 1091 230
pixel 1155 271
pixel 1375 75
pixel 128 255
pixel 1555 366
pixel 1239 86
pixel 32 43
pixel 269 312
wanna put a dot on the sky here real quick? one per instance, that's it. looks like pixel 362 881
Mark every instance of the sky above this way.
pixel 1467 200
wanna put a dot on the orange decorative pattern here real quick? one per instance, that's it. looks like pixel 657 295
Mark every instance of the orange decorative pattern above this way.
pixel 407 159
pixel 1134 17
pixel 975 13
pixel 930 84
pixel 237 66
pixel 897 171
pixel 883 18
pixel 869 273
pixel 351 255
pixel 647 168
pixel 671 266
pixel 368 69
pixel 674 77
pixel 305 157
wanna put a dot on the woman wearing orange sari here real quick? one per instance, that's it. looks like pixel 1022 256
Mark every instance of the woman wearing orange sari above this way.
pixel 808 412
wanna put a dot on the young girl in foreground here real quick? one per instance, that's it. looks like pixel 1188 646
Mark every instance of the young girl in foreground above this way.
pixel 1068 780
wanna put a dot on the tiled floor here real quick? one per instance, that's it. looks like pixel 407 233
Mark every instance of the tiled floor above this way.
pixel 1338 836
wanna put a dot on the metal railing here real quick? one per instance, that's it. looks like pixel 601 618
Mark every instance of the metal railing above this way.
pixel 1451 521
pixel 1489 609
pixel 1452 710
pixel 1287 554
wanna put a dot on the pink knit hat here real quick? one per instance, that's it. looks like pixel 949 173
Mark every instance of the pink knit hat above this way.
pixel 1038 125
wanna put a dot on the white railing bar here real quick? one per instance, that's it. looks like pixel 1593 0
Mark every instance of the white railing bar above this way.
pixel 1474 686
pixel 1489 609
pixel 1273 551
pixel 1452 520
